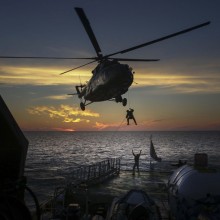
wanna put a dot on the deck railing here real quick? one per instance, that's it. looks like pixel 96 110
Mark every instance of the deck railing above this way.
pixel 96 172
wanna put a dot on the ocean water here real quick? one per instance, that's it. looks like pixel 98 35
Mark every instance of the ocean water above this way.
pixel 53 155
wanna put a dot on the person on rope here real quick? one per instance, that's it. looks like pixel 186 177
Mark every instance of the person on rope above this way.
pixel 130 115
pixel 136 161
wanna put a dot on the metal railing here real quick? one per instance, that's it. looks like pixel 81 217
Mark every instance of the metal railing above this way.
pixel 95 172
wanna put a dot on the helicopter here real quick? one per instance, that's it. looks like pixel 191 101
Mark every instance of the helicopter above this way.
pixel 110 78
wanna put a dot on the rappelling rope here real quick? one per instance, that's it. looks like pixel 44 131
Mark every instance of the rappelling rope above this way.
pixel 120 124
pixel 129 100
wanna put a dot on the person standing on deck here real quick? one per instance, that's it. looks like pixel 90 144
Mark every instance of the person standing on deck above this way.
pixel 136 161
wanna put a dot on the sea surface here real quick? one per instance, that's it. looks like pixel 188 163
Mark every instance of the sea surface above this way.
pixel 53 155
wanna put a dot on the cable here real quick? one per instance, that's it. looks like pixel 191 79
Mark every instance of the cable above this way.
pixel 129 99
pixel 12 208
pixel 120 124
pixel 38 212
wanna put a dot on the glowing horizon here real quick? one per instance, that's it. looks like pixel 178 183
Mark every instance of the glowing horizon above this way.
pixel 179 92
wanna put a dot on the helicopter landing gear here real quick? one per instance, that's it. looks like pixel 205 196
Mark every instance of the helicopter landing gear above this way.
pixel 118 99
pixel 124 101
pixel 82 106
pixel 79 90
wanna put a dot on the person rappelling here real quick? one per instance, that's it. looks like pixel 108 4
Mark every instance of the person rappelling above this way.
pixel 130 115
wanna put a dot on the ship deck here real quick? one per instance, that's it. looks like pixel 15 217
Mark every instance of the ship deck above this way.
pixel 152 182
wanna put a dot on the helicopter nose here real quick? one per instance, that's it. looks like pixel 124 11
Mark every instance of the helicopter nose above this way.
pixel 126 79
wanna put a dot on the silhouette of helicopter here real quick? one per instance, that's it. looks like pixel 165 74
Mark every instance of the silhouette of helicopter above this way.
pixel 110 79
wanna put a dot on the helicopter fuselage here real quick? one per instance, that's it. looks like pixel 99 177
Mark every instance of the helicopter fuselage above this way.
pixel 110 80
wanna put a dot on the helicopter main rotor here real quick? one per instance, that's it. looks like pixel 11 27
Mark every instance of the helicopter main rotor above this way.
pixel 99 58
pixel 80 12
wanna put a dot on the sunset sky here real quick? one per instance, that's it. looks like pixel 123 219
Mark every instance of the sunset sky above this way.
pixel 179 92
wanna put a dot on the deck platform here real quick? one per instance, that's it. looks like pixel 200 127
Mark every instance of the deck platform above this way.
pixel 92 187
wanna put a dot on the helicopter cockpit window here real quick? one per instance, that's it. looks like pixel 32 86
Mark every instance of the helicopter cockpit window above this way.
pixel 96 69
pixel 130 68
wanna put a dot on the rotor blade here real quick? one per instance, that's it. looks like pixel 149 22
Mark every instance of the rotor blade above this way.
pixel 77 67
pixel 128 59
pixel 89 31
pixel 73 94
pixel 52 58
pixel 160 39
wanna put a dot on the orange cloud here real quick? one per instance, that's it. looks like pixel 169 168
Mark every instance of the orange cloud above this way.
pixel 185 83
pixel 57 97
pixel 65 112
pixel 63 129
pixel 102 126
pixel 39 75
